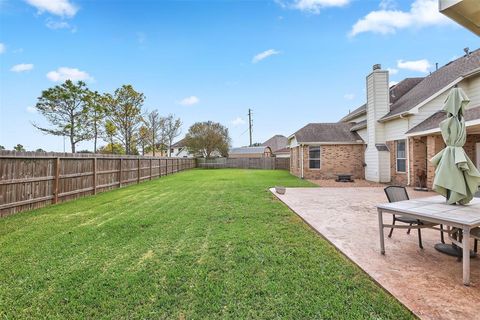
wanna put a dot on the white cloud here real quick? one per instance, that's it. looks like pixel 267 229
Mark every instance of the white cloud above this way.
pixel 312 6
pixel 31 109
pixel 63 8
pixel 56 25
pixel 387 20
pixel 392 83
pixel 3 48
pixel 265 54
pixel 392 71
pixel 238 121
pixel 415 65
pixel 22 67
pixel 349 96
pixel 65 73
pixel 189 101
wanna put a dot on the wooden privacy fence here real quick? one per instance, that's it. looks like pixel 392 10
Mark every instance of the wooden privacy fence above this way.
pixel 272 163
pixel 30 180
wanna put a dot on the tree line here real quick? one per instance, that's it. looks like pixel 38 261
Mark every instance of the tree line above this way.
pixel 74 111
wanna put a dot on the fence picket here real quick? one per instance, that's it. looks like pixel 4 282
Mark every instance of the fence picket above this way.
pixel 30 180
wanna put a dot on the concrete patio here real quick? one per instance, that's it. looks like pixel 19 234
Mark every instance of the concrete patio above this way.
pixel 425 281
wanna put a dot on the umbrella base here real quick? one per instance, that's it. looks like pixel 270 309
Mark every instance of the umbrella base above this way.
pixel 452 250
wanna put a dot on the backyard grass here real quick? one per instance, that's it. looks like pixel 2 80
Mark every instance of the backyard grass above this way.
pixel 201 244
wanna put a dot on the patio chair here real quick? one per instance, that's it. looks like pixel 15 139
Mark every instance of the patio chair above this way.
pixel 398 193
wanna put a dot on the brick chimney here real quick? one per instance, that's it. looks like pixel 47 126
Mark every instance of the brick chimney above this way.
pixel 377 156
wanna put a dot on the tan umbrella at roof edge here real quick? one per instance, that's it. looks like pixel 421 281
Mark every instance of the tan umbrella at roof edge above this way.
pixel 456 177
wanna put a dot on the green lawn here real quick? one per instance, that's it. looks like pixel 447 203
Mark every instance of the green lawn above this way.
pixel 201 244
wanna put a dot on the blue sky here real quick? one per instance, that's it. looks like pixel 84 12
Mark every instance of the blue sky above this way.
pixel 291 61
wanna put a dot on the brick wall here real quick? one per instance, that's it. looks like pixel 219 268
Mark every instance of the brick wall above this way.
pixel 434 145
pixel 294 161
pixel 470 146
pixel 417 154
pixel 397 178
pixel 334 159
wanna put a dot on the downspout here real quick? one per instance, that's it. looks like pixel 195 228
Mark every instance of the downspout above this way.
pixel 408 161
pixel 301 162
pixel 407 145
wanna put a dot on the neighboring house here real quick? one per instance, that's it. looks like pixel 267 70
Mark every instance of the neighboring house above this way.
pixel 279 145
pixel 399 125
pixel 179 150
pixel 276 142
pixel 250 152
pixel 282 153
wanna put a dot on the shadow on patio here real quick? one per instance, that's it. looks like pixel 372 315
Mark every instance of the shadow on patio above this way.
pixel 427 282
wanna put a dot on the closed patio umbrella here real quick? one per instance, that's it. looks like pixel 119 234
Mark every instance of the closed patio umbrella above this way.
pixel 456 177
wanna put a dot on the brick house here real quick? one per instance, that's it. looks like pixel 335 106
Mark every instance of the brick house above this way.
pixel 322 150
pixel 399 125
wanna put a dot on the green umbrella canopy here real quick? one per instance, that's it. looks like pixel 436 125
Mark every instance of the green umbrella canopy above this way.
pixel 456 177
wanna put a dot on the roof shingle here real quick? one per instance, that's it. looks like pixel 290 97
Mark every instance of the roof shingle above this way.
pixel 327 132
pixel 435 82
pixel 434 120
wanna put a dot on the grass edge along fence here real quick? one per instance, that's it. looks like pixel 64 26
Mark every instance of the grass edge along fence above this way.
pixel 30 180
pixel 270 163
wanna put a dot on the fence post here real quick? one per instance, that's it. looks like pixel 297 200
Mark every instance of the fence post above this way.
pixel 159 168
pixel 138 171
pixel 150 168
pixel 95 175
pixel 120 174
pixel 57 176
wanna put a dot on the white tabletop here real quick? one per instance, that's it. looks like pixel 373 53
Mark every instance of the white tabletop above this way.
pixel 436 209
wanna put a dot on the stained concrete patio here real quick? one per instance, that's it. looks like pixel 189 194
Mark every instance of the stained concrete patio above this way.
pixel 425 281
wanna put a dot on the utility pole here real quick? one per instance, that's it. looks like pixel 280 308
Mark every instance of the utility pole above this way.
pixel 250 124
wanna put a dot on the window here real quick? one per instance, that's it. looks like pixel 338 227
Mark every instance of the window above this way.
pixel 314 157
pixel 401 156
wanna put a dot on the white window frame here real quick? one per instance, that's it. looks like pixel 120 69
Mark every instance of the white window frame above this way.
pixel 398 158
pixel 319 159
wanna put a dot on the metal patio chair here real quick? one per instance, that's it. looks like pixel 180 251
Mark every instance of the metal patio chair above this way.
pixel 398 193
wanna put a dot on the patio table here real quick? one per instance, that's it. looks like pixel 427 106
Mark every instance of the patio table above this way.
pixel 435 210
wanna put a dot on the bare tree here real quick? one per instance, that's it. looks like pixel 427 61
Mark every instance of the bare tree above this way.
pixel 125 112
pixel 172 129
pixel 155 123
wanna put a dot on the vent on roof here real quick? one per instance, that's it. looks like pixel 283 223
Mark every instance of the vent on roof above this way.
pixel 377 66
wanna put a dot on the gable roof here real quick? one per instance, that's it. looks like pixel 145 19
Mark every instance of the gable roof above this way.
pixel 435 82
pixel 248 150
pixel 283 150
pixel 276 142
pixel 434 120
pixel 396 92
pixel 355 113
pixel 179 144
pixel 338 132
